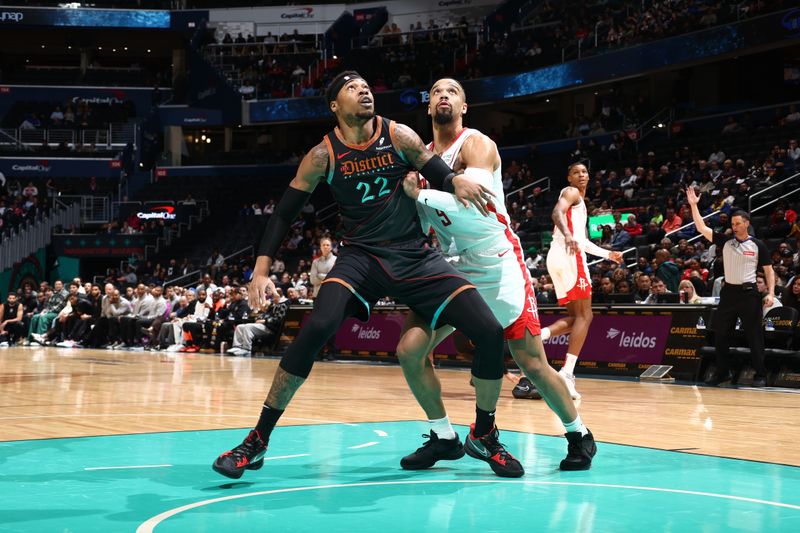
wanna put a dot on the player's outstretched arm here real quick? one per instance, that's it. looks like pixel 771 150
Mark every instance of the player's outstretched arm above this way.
pixel 437 172
pixel 311 171
pixel 569 197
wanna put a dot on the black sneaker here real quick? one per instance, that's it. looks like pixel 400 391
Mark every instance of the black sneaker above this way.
pixel 580 451
pixel 525 390
pixel 249 455
pixel 488 448
pixel 435 449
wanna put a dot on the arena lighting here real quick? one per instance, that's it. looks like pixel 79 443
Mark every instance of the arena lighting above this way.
pixel 208 141
pixel 99 47
pixel 42 46
pixel 334 57
pixel 113 49
pixel 547 100
pixel 660 125
pixel 69 47
pixel 203 137
pixel 126 48
pixel 148 50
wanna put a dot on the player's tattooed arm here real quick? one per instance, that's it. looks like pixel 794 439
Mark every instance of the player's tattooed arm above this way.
pixel 417 154
pixel 313 168
pixel 412 147
pixel 311 171
pixel 568 198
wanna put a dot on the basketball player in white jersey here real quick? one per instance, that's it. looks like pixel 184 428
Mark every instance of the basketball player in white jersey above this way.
pixel 484 248
pixel 567 265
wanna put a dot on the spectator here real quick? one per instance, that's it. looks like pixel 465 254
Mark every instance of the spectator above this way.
pixel 791 294
pixel 688 295
pixel 322 265
pixel 666 270
pixel 671 221
pixel 265 329
pixel 12 325
pixel 632 226
pixel 620 239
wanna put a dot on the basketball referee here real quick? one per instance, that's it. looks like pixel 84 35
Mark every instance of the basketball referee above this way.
pixel 742 256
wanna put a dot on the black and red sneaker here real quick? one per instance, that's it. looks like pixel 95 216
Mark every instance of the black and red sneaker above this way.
pixel 249 455
pixel 488 448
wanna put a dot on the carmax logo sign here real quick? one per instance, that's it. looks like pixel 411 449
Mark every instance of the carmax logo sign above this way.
pixel 162 212
pixel 299 13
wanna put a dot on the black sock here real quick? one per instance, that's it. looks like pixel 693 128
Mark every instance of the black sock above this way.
pixel 484 422
pixel 266 422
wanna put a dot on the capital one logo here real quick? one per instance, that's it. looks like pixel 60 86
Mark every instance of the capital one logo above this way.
pixel 164 212
pixel 11 16
pixel 299 13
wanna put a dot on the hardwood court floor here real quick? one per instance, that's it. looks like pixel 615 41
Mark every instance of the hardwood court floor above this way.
pixel 50 393
pixel 123 441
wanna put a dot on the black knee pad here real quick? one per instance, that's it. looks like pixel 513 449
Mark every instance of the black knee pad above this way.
pixel 487 362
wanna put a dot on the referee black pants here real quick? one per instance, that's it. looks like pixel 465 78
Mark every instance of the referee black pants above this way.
pixel 739 301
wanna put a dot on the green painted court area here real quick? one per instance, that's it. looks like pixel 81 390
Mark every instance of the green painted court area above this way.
pixel 346 477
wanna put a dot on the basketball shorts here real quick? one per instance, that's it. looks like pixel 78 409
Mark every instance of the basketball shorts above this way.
pixel 570 274
pixel 502 279
pixel 413 274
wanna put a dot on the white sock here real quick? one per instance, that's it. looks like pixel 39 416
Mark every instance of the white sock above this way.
pixel 545 333
pixel 576 425
pixel 443 428
pixel 569 364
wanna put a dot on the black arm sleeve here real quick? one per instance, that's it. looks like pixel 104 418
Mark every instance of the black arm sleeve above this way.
pixel 438 174
pixel 281 220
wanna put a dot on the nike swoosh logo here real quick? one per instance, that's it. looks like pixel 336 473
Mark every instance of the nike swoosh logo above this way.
pixel 481 450
pixel 342 155
pixel 501 254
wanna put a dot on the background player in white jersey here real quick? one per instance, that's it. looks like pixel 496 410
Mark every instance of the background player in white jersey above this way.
pixel 567 265
pixel 485 249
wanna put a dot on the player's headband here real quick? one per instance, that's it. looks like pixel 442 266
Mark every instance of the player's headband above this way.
pixel 338 82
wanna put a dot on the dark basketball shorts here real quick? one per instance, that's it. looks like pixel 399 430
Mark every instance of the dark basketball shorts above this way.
pixel 411 274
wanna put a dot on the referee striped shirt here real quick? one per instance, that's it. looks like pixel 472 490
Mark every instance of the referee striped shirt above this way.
pixel 741 259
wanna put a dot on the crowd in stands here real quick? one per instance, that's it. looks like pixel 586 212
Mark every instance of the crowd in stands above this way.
pixel 18 204
pixel 397 58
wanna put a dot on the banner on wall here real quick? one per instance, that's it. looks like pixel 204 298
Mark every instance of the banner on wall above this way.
pixel 59 167
pixel 15 17
pixel 620 342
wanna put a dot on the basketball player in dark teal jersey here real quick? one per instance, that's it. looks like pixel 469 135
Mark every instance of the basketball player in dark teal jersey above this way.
pixel 383 253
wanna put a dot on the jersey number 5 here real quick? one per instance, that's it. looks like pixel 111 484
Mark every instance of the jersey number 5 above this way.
pixel 445 219
pixel 365 188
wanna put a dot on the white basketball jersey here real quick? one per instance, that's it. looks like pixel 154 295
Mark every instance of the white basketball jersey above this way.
pixel 577 219
pixel 467 228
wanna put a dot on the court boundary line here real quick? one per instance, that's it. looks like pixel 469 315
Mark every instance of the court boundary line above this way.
pixel 556 436
pixel 151 523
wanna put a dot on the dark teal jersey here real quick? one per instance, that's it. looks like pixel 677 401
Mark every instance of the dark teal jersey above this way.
pixel 367 182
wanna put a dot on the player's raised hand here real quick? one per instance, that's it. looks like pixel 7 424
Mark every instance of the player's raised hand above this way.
pixel 411 185
pixel 470 192
pixel 616 257
pixel 260 288
pixel 692 197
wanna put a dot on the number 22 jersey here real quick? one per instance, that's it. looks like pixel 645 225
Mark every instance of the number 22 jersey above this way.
pixel 367 183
